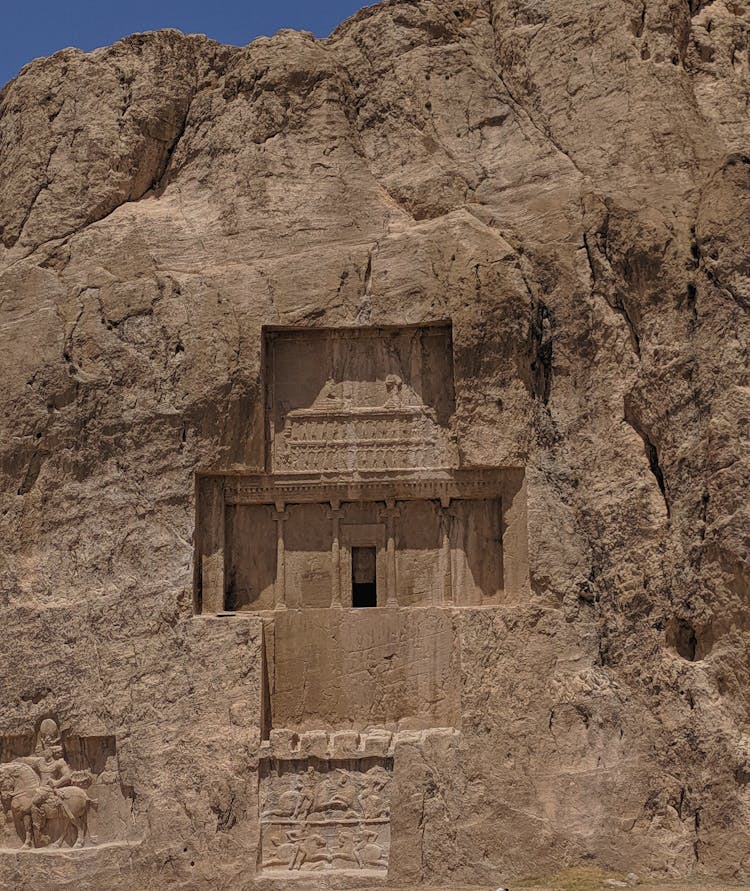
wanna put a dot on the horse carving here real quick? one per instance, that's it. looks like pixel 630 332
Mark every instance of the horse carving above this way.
pixel 34 804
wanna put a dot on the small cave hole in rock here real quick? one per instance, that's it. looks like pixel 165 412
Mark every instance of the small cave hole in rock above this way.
pixel 687 641
pixel 364 582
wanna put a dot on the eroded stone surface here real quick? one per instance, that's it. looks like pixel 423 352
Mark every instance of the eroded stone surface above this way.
pixel 568 184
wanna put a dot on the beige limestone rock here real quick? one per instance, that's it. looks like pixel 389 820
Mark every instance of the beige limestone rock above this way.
pixel 569 185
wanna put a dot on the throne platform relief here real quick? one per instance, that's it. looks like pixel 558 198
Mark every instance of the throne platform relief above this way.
pixel 358 400
pixel 336 435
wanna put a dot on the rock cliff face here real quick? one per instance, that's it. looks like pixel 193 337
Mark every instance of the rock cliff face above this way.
pixel 569 184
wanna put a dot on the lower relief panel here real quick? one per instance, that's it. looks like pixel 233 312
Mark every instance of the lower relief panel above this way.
pixel 321 815
pixel 61 793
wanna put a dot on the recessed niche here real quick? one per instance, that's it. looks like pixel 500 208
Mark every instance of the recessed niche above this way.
pixel 359 398
pixel 363 503
pixel 61 792
pixel 689 641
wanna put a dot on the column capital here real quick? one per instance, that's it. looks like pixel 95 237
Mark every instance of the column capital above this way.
pixel 391 511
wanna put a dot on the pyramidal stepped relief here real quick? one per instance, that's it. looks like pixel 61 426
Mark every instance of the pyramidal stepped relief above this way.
pixel 373 453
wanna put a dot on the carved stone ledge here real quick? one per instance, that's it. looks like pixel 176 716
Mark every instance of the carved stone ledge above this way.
pixel 90 850
pixel 321 487
pixel 291 746
pixel 288 745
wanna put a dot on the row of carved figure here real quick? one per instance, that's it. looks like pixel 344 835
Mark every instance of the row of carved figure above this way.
pixel 355 455
pixel 336 794
pixel 376 431
pixel 358 847
pixel 44 796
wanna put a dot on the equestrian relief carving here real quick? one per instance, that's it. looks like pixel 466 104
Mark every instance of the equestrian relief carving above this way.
pixel 326 815
pixel 44 798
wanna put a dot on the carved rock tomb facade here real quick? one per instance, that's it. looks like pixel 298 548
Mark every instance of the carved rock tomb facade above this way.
pixel 356 546
pixel 373 452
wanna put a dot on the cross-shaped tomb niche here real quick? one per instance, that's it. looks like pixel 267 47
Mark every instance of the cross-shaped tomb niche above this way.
pixel 359 546
pixel 362 502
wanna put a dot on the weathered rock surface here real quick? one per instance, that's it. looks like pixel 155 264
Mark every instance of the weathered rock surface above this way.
pixel 569 183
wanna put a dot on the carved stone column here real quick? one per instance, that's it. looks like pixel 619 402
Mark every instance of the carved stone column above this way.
pixel 389 514
pixel 335 514
pixel 446 567
pixel 210 542
pixel 279 589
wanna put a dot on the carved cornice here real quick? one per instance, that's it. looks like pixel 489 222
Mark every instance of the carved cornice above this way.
pixel 433 484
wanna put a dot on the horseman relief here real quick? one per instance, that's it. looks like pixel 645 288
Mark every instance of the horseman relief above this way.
pixel 47 801
pixel 326 815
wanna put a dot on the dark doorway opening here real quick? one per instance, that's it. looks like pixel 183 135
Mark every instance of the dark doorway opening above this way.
pixel 364 583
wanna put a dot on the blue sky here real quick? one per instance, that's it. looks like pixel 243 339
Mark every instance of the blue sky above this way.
pixel 41 27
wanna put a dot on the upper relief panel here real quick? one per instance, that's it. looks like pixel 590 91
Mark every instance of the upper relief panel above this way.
pixel 351 399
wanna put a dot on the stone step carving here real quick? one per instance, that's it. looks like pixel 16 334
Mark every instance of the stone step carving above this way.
pixel 289 745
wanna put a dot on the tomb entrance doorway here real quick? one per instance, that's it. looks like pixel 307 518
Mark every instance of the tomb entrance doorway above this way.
pixel 363 565
pixel 364 577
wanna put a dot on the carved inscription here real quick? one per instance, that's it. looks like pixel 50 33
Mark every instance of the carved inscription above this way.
pixel 325 815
